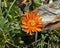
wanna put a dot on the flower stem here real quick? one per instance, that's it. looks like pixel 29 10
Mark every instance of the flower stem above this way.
pixel 36 37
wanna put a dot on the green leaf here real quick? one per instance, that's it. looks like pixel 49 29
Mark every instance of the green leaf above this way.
pixel 37 3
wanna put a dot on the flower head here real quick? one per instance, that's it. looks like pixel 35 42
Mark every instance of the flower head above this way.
pixel 31 22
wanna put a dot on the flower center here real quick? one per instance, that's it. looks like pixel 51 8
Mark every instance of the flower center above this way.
pixel 32 23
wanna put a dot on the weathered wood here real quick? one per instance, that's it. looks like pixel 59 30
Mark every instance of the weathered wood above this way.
pixel 50 15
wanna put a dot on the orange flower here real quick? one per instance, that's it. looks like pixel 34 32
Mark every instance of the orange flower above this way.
pixel 32 23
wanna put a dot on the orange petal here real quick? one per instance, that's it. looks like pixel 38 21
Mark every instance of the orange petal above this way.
pixel 24 23
pixel 25 30
pixel 30 33
pixel 40 26
pixel 23 26
pixel 38 29
pixel 33 29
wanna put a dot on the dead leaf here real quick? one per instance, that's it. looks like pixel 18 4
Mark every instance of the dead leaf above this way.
pixel 50 15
